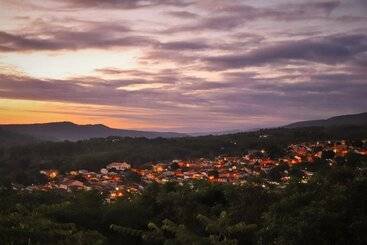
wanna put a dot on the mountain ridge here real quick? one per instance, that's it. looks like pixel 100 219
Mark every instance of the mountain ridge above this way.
pixel 359 119
pixel 65 130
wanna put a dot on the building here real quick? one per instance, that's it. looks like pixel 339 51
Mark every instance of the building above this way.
pixel 118 166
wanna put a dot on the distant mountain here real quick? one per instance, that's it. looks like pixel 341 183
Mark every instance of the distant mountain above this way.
pixel 233 131
pixel 344 120
pixel 11 134
pixel 69 131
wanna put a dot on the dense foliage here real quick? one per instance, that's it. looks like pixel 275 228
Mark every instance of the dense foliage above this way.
pixel 9 138
pixel 21 164
pixel 330 209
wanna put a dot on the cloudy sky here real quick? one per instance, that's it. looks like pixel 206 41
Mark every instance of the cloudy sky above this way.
pixel 182 65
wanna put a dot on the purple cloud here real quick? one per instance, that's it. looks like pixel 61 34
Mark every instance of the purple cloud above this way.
pixel 95 35
pixel 199 64
pixel 327 50
pixel 124 4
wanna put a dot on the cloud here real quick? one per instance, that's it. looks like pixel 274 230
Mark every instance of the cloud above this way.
pixel 182 14
pixel 93 35
pixel 310 8
pixel 327 50
pixel 339 77
pixel 69 41
pixel 228 15
pixel 185 45
pixel 169 76
pixel 238 98
pixel 229 63
pixel 124 4
pixel 303 100
pixel 97 91
pixel 117 71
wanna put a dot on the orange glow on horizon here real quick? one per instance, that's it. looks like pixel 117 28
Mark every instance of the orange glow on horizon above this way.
pixel 31 111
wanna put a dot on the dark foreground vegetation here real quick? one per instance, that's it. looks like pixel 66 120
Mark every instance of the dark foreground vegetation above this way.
pixel 330 209
pixel 21 164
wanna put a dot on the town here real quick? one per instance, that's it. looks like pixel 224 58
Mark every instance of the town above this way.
pixel 119 179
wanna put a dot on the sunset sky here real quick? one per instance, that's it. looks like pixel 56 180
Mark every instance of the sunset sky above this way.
pixel 182 65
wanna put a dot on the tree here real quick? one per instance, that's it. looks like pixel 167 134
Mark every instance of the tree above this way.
pixel 330 209
pixel 217 231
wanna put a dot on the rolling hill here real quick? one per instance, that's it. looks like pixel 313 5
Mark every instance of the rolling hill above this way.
pixel 344 120
pixel 59 131
pixel 9 138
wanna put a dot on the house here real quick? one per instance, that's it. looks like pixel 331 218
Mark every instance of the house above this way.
pixel 160 167
pixel 120 166
pixel 71 184
pixel 104 171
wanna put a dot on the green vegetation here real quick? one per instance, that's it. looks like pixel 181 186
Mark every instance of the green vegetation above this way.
pixel 330 209
pixel 21 164
pixel 220 231
pixel 9 138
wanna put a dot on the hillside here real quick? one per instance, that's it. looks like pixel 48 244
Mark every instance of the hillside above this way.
pixel 59 131
pixel 8 138
pixel 344 120
pixel 95 153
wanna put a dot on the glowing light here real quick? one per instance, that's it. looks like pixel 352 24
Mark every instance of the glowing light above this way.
pixel 53 174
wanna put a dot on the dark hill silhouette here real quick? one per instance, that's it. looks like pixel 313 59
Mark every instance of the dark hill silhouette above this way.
pixel 8 138
pixel 344 120
pixel 57 131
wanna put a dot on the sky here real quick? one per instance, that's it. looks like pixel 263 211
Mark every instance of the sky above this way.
pixel 182 65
